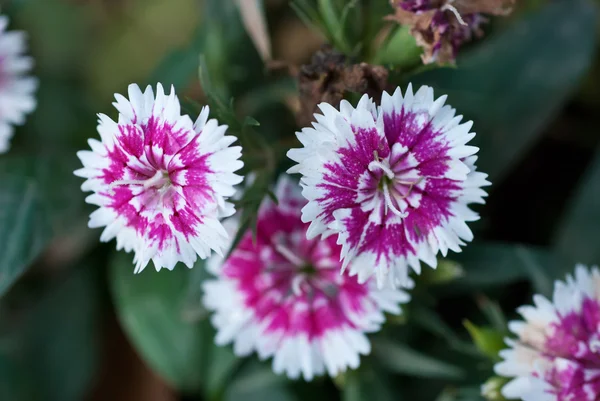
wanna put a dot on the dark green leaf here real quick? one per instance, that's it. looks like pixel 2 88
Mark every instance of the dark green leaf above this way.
pixel 487 340
pixel 495 264
pixel 24 229
pixel 221 365
pixel 400 49
pixel 493 313
pixel 54 344
pixel 13 380
pixel 249 205
pixel 60 193
pixel 461 394
pixel 257 382
pixel 430 321
pixel 152 309
pixel 579 234
pixel 68 319
pixel 446 271
pixel 512 85
pixel 367 384
pixel 399 358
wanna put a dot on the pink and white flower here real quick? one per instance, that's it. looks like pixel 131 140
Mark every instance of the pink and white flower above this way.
pixel 556 356
pixel 16 87
pixel 394 182
pixel 160 180
pixel 283 296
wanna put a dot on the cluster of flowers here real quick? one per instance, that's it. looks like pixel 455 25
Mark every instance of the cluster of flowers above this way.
pixel 382 189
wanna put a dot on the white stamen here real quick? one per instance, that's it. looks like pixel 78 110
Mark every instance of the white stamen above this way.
pixel 453 9
pixel 156 179
pixel 389 203
pixel 296 283
pixel 289 255
pixel 150 182
pixel 126 182
pixel 377 164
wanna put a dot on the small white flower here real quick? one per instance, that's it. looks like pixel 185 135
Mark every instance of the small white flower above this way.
pixel 160 180
pixel 16 87
pixel 556 356
pixel 283 296
pixel 393 182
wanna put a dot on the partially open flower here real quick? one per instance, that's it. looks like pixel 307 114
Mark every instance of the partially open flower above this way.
pixel 160 180
pixel 283 296
pixel 442 26
pixel 393 182
pixel 556 356
pixel 16 87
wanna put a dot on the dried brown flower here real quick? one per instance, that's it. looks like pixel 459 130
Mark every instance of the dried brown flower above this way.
pixel 440 27
pixel 330 76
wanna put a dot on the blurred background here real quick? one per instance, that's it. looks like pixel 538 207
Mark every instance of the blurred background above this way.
pixel 76 324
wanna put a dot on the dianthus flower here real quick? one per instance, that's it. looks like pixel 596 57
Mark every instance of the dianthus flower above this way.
pixel 556 356
pixel 393 182
pixel 16 88
pixel 283 296
pixel 160 180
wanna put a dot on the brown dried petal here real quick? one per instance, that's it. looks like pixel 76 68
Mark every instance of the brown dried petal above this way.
pixel 418 21
pixel 420 28
pixel 330 76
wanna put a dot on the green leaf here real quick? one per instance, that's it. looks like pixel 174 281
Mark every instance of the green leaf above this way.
pixel 495 264
pixel 433 323
pixel 42 202
pixel 64 337
pixel 53 347
pixel 446 271
pixel 540 271
pixel 257 382
pixel 461 394
pixel 249 204
pixel 398 358
pixel 400 49
pixel 334 24
pixel 222 363
pixel 487 340
pixel 153 312
pixel 367 384
pixel 24 229
pixel 578 236
pixel 493 313
pixel 13 380
pixel 59 190
pixel 512 85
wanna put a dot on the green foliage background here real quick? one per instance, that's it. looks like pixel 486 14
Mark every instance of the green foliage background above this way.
pixel 531 87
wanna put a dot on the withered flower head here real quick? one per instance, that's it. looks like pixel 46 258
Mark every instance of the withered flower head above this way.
pixel 442 26
pixel 330 76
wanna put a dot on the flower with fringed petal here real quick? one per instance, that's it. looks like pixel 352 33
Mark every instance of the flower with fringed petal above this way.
pixel 392 182
pixel 161 181
pixel 283 296
pixel 556 356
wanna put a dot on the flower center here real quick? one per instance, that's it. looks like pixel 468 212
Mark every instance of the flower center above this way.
pixel 306 277
pixel 396 188
pixel 160 181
